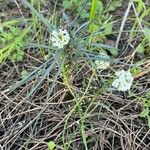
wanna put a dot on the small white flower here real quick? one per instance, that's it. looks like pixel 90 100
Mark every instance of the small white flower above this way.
pixel 102 64
pixel 124 80
pixel 60 39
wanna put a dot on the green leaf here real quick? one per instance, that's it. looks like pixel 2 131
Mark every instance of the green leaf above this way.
pixel 66 4
pixel 148 94
pixel 144 113
pixel 84 14
pixel 92 14
pixel 94 27
pixel 114 51
pixel 140 49
pixel 17 56
pixel 7 37
pixel 114 5
pixel 108 29
pixel 24 74
pixel 100 7
pixel 51 145
pixel 147 32
pixel 93 9
pixel 135 70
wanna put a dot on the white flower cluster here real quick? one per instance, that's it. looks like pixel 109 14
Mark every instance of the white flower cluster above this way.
pixel 102 64
pixel 60 38
pixel 124 80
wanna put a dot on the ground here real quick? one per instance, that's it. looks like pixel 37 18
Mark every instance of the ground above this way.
pixel 71 104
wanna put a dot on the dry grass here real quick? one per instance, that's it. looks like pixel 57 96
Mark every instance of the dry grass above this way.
pixel 111 119
pixel 112 122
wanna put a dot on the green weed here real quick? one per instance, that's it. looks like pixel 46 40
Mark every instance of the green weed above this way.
pixel 60 63
pixel 98 13
pixel 51 145
pixel 13 40
pixel 146 111
pixel 88 112
pixel 141 12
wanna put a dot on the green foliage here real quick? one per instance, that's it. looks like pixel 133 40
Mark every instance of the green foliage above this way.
pixel 148 94
pixel 99 18
pixel 68 4
pixel 135 70
pixel 141 23
pixel 24 74
pixel 86 13
pixel 51 145
pixel 94 6
pixel 145 43
pixel 59 62
pixel 114 52
pixel 93 9
pixel 113 5
pixel 78 48
pixel 146 111
pixel 145 114
pixel 97 12
pixel 140 48
pixel 12 41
